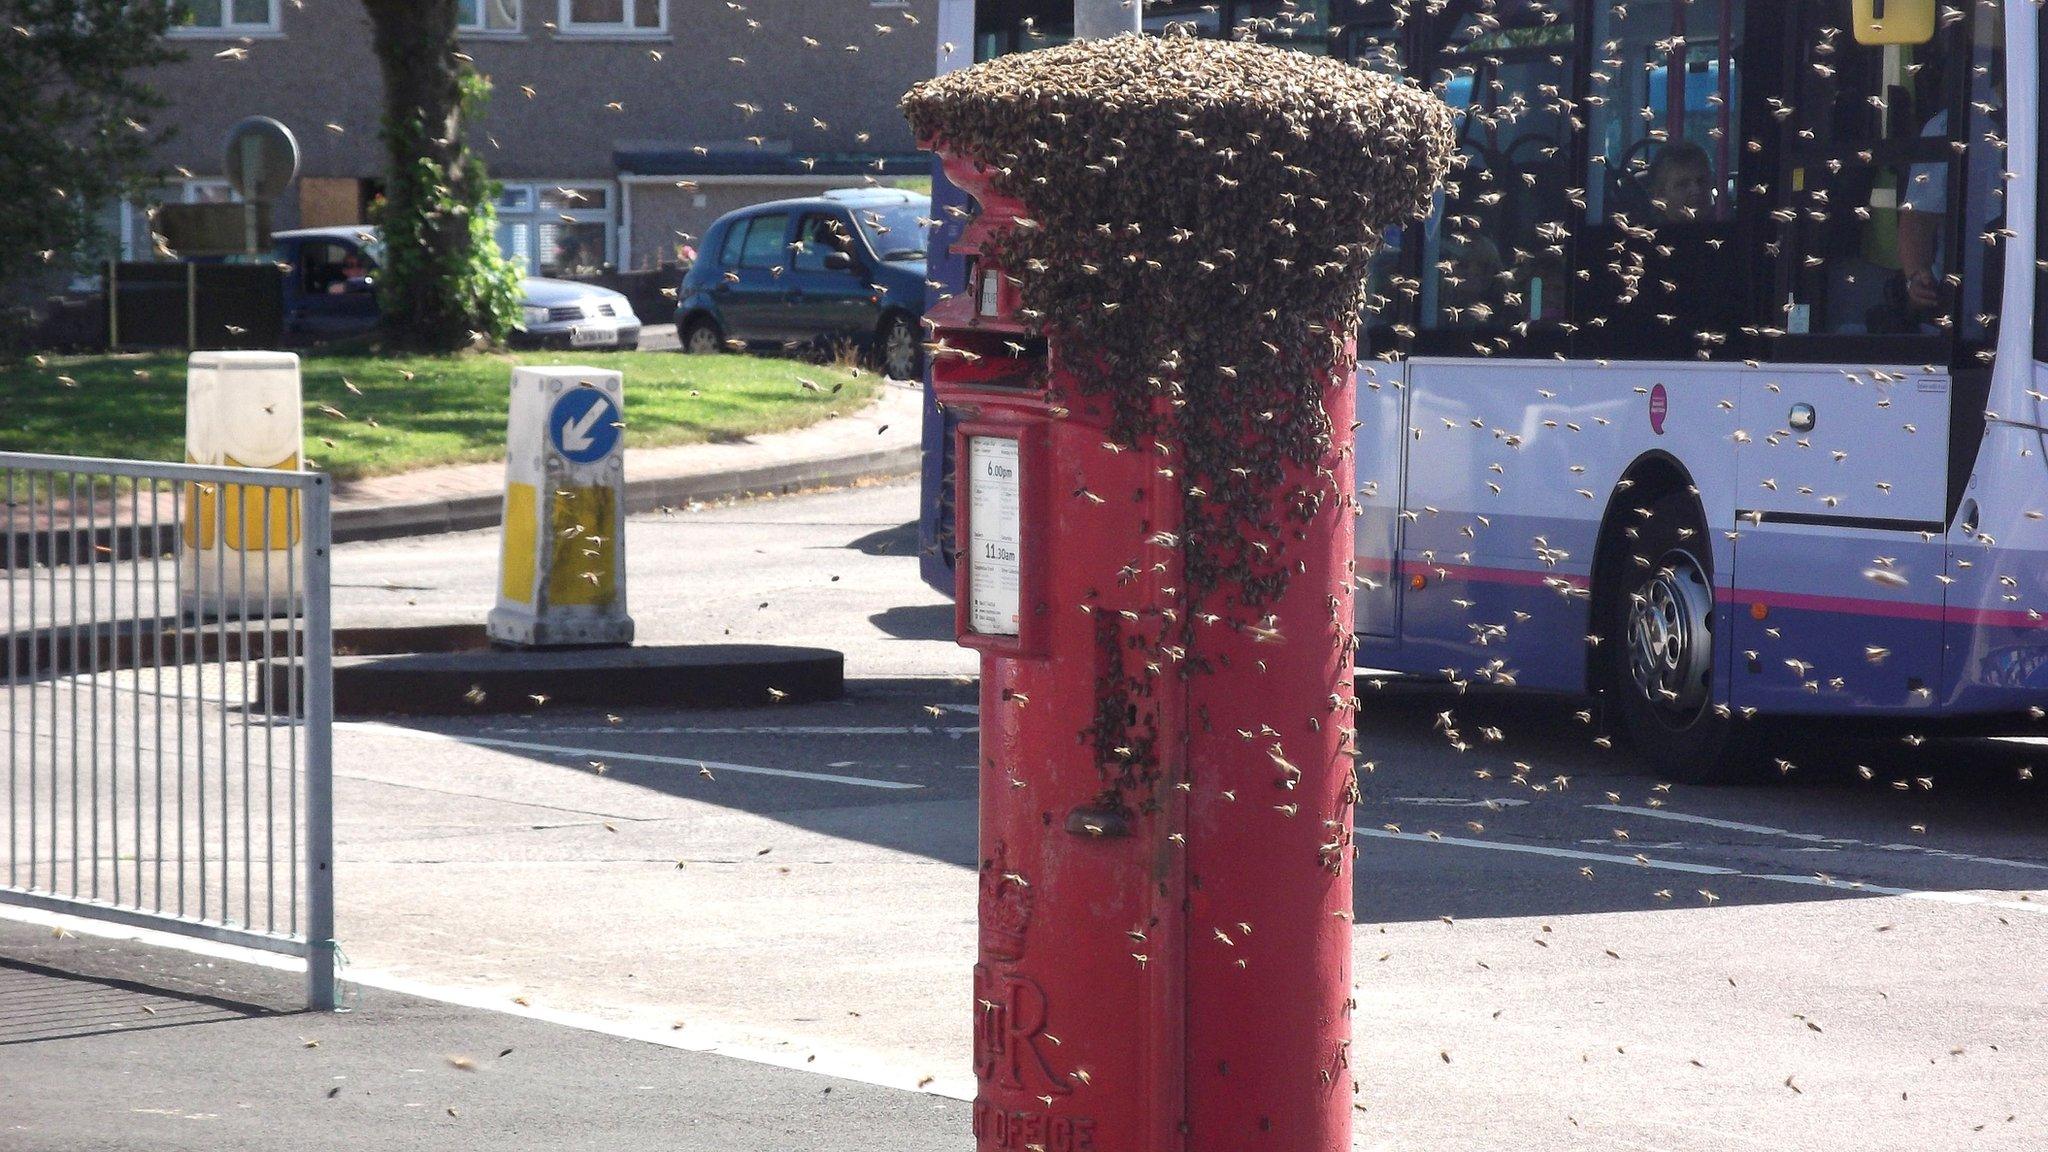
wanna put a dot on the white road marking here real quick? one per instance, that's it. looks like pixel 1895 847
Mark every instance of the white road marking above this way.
pixel 1908 893
pixel 1562 853
pixel 1459 802
pixel 1812 838
pixel 878 1068
pixel 1964 898
pixel 1710 822
pixel 617 754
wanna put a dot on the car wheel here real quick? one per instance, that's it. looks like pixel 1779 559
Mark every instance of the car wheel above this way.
pixel 1656 613
pixel 896 349
pixel 701 337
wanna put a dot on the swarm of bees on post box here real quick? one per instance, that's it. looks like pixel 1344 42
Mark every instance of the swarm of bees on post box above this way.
pixel 1202 216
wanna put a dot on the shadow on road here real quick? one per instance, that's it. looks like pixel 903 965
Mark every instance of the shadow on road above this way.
pixel 39 1003
pixel 898 541
pixel 921 622
pixel 1531 818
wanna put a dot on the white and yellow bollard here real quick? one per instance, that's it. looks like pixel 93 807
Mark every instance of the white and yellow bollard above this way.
pixel 242 409
pixel 562 567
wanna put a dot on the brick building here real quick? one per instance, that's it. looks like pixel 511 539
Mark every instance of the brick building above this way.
pixel 620 128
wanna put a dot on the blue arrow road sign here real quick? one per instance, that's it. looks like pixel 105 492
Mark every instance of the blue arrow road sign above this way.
pixel 584 425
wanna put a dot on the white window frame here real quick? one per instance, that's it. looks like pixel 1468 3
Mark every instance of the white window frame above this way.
pixel 623 30
pixel 536 216
pixel 230 27
pixel 481 26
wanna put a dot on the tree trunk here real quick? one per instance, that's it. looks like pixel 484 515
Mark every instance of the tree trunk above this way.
pixel 435 183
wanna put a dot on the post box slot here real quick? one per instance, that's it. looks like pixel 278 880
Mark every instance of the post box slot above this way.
pixel 984 358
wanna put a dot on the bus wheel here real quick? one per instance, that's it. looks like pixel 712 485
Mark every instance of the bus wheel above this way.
pixel 1660 671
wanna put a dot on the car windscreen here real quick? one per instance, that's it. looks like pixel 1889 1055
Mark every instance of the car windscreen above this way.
pixel 895 232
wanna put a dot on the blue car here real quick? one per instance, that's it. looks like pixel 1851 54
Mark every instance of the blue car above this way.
pixel 330 290
pixel 844 267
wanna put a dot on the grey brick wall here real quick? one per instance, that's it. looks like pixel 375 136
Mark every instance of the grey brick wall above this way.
pixel 320 71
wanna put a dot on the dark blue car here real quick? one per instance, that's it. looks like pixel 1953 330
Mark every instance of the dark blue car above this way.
pixel 844 267
pixel 330 290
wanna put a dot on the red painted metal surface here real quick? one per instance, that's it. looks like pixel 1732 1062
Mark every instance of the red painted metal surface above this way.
pixel 1164 951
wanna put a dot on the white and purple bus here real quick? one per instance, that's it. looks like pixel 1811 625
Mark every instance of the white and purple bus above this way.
pixel 1714 384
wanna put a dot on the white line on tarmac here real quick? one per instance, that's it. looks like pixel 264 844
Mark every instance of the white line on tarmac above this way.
pixel 1847 886
pixel 616 754
pixel 1562 853
pixel 1460 801
pixel 1813 838
pixel 881 1069
pixel 1710 822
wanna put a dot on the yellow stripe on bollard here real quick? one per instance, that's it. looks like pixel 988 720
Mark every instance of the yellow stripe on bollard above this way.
pixel 245 507
pixel 516 567
pixel 583 565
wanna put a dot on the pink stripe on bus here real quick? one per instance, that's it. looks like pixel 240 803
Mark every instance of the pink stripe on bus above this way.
pixel 1796 601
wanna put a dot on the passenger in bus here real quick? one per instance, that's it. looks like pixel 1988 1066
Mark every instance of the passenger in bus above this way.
pixel 1681 182
pixel 1924 263
pixel 1672 289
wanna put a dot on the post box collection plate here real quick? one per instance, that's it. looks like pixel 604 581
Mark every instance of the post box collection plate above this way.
pixel 995 545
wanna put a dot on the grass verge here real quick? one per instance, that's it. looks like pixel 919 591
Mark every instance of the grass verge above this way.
pixel 369 414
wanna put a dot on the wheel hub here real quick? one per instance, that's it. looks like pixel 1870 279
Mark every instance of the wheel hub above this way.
pixel 1670 639
pixel 899 352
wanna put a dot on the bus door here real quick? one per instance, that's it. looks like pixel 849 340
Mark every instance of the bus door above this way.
pixel 1841 488
pixel 1379 443
pixel 1865 418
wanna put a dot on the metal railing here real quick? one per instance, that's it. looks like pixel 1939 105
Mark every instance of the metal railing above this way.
pixel 168 705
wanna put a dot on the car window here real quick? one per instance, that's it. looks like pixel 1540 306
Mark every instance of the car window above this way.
pixel 897 232
pixel 817 234
pixel 735 238
pixel 764 241
pixel 323 265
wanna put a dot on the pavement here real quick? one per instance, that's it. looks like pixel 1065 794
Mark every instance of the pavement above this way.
pixel 879 441
pixel 1554 951
pixel 110 1045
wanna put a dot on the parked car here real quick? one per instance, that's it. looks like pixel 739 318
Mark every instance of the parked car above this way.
pixel 847 266
pixel 330 290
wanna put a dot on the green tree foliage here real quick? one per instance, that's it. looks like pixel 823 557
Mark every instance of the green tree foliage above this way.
pixel 444 284
pixel 76 129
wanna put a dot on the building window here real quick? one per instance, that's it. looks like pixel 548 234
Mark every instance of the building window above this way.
pixel 557 229
pixel 487 15
pixel 614 17
pixel 229 16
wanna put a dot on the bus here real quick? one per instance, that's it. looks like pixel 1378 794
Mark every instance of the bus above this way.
pixel 1712 386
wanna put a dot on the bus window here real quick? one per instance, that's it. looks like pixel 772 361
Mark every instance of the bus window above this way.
pixel 2041 212
pixel 1658 249
pixel 1494 256
pixel 1372 37
pixel 1372 40
pixel 1873 245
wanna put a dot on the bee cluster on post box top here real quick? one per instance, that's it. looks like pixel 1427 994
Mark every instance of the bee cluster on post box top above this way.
pixel 1202 216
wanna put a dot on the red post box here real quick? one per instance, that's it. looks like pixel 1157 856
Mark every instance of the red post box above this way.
pixel 1166 769
pixel 1159 955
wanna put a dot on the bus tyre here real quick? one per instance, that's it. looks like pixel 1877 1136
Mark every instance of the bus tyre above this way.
pixel 1656 609
pixel 701 336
